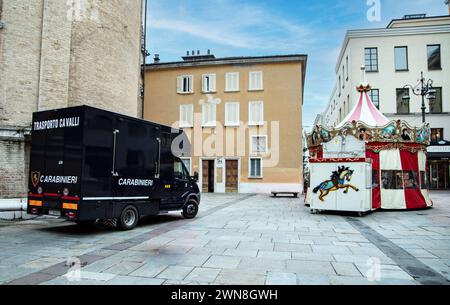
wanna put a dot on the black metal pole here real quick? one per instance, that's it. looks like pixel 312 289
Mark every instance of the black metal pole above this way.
pixel 423 96
pixel 144 53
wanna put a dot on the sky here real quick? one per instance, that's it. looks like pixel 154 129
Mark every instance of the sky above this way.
pixel 273 27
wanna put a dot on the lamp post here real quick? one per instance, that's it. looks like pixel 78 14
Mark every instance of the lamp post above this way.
pixel 425 89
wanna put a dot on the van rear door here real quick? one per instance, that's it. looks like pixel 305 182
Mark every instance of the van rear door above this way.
pixel 56 154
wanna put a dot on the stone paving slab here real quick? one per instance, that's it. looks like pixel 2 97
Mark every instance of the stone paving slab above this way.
pixel 236 239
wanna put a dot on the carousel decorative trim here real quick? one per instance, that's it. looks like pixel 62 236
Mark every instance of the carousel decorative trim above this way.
pixel 395 131
pixel 410 147
pixel 332 160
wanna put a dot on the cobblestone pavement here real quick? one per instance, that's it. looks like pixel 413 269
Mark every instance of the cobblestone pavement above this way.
pixel 236 239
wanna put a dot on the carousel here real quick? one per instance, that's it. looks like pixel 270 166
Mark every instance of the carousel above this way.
pixel 368 162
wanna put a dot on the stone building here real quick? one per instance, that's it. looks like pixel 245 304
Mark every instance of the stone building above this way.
pixel 243 116
pixel 58 53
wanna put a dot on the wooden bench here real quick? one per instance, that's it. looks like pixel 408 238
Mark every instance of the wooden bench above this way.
pixel 295 194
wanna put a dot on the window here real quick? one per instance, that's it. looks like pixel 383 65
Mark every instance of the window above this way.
pixel 437 134
pixel 232 82
pixel 436 104
pixel 255 80
pixel 401 58
pixel 346 63
pixel 179 171
pixel 423 180
pixel 255 113
pixel 402 105
pixel 434 57
pixel 392 179
pixel 375 97
pixel 185 84
pixel 375 179
pixel 187 164
pixel 411 180
pixel 258 144
pixel 209 83
pixel 340 88
pixel 343 77
pixel 255 168
pixel 186 116
pixel 232 114
pixel 208 115
pixel 371 59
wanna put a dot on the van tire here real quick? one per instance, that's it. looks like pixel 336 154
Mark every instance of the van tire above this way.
pixel 190 209
pixel 128 218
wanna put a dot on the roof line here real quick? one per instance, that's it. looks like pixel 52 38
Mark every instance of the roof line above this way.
pixel 228 60
pixel 380 32
pixel 418 18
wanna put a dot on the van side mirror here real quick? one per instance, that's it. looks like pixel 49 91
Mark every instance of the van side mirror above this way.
pixel 196 176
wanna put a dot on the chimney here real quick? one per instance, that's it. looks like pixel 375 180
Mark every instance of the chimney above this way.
pixel 192 56
pixel 156 60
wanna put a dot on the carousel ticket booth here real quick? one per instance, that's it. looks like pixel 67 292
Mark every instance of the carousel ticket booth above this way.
pixel 368 162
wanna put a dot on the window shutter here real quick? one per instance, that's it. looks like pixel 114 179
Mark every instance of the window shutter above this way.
pixel 191 84
pixel 258 80
pixel 212 82
pixel 261 113
pixel 204 83
pixel 204 114
pixel 179 84
pixel 232 113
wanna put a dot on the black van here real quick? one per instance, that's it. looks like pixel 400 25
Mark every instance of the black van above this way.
pixel 88 164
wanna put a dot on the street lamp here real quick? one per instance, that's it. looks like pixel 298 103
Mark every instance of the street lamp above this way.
pixel 425 89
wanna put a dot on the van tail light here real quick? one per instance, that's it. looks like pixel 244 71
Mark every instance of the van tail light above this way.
pixel 35 203
pixel 70 206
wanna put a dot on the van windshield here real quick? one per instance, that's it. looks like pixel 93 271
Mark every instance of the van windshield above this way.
pixel 180 170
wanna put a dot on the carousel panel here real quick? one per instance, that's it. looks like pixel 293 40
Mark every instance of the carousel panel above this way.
pixel 341 186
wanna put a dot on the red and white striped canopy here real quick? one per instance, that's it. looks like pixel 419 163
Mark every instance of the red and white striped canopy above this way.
pixel 365 111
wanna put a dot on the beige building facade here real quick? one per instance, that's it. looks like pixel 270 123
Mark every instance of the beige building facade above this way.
pixel 56 54
pixel 243 117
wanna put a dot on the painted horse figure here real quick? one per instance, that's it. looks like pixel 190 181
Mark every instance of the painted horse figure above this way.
pixel 338 181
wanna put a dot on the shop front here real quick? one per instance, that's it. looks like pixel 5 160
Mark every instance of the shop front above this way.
pixel 439 166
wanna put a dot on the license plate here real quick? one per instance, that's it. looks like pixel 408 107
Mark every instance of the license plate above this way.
pixel 54 213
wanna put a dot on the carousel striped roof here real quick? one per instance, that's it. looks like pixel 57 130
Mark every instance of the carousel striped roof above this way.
pixel 365 111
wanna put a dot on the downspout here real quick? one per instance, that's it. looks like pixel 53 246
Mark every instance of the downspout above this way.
pixel 144 55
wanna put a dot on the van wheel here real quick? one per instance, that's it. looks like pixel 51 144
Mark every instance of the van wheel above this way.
pixel 129 218
pixel 190 209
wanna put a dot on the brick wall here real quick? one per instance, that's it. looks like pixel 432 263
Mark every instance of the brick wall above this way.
pixel 14 169
pixel 48 61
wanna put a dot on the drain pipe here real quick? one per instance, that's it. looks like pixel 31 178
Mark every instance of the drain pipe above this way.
pixel 7 205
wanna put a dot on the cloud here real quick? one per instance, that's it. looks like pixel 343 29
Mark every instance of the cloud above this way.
pixel 231 23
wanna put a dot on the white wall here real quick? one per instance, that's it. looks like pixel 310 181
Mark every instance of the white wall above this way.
pixel 387 79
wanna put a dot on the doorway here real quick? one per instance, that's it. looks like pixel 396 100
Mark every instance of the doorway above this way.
pixel 439 175
pixel 208 176
pixel 231 176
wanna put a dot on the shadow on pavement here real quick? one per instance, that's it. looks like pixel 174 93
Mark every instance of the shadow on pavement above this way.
pixel 70 228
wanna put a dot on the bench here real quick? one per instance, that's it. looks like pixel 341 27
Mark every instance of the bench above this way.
pixel 295 194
